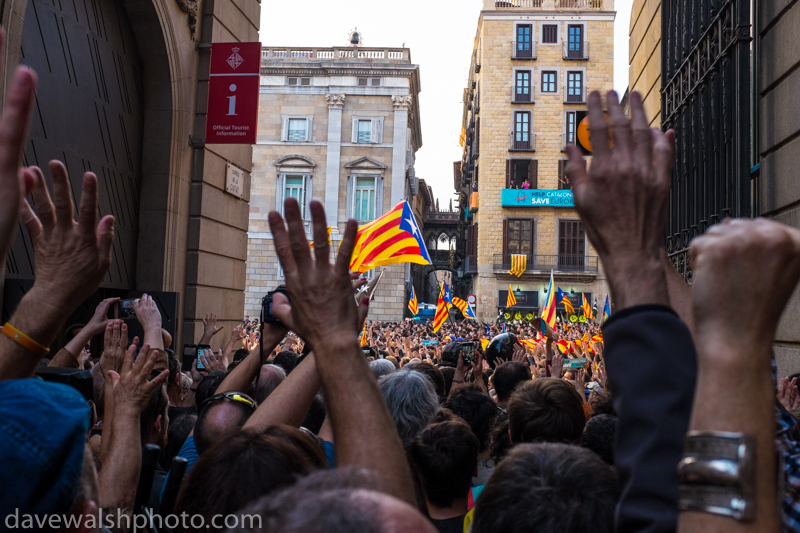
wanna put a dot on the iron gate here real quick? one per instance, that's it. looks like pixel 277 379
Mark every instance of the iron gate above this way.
pixel 705 62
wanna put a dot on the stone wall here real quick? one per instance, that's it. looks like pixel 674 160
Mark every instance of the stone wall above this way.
pixel 644 56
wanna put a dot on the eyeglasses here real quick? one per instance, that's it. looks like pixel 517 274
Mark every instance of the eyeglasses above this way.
pixel 238 397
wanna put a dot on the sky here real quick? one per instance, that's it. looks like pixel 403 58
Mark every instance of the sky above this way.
pixel 440 34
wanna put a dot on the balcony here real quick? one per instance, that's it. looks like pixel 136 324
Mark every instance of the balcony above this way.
pixel 522 97
pixel 471 264
pixel 522 142
pixel 539 4
pixel 345 54
pixel 575 264
pixel 576 50
pixel 575 95
pixel 520 50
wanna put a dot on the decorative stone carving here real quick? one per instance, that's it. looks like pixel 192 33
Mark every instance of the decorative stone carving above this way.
pixel 335 101
pixel 190 7
pixel 402 101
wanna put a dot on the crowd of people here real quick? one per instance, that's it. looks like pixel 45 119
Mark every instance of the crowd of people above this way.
pixel 666 420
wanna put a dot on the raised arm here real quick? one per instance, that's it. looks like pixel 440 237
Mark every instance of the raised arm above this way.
pixel 68 356
pixel 243 375
pixel 324 313
pixel 71 259
pixel 149 316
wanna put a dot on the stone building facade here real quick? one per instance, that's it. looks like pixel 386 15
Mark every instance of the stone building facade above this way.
pixel 534 63
pixel 644 56
pixel 338 125
pixel 123 92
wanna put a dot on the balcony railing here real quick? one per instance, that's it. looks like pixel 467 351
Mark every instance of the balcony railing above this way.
pixel 559 4
pixel 579 50
pixel 523 142
pixel 336 53
pixel 500 4
pixel 523 97
pixel 471 264
pixel 579 4
pixel 520 50
pixel 558 263
pixel 575 95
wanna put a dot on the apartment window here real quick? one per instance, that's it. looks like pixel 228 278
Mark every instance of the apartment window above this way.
pixel 367 130
pixel 299 81
pixel 549 33
pixel 524 47
pixel 575 41
pixel 369 82
pixel 570 127
pixel 522 173
pixel 364 199
pixel 548 81
pixel 518 236
pixel 563 181
pixel 296 128
pixel 522 84
pixel 522 130
pixel 571 243
pixel 297 186
pixel 575 86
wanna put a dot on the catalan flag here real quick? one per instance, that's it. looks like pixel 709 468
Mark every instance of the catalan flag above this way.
pixel 598 338
pixel 549 309
pixel 587 307
pixel 393 238
pixel 563 346
pixel 518 264
pixel 606 309
pixel 466 310
pixel 412 302
pixel 311 244
pixel 563 299
pixel 441 311
pixel 363 340
pixel 511 301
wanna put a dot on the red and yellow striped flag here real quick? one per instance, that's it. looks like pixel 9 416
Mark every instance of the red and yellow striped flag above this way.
pixel 441 312
pixel 549 309
pixel 412 303
pixel 587 307
pixel 363 341
pixel 518 264
pixel 393 238
pixel 511 301
pixel 466 310
pixel 311 244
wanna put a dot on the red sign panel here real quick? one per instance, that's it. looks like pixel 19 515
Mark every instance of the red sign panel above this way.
pixel 233 93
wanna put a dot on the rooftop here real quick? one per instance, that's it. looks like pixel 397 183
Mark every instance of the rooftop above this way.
pixel 547 5
pixel 335 54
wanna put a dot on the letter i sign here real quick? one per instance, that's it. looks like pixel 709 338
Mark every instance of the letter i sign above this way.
pixel 233 93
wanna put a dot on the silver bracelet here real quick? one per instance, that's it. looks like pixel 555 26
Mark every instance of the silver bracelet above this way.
pixel 717 474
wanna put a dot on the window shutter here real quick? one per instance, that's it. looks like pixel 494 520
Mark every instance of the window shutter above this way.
pixel 309 128
pixel 505 237
pixel 533 173
pixel 279 194
pixel 307 193
pixel 377 130
pixel 350 194
pixel 284 128
pixel 509 162
pixel 378 196
pixel 355 131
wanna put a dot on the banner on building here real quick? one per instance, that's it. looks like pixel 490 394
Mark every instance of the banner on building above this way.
pixel 233 93
pixel 537 198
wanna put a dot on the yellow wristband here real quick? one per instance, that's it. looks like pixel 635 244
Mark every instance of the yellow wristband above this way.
pixel 23 340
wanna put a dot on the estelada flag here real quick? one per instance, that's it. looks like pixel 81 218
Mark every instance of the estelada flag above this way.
pixel 393 238
pixel 466 310
pixel 441 311
pixel 564 299
pixel 549 309
pixel 412 303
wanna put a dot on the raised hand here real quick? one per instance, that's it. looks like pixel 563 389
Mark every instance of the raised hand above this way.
pixel 214 362
pixel 210 328
pixel 519 354
pixel 557 365
pixel 787 393
pixel 115 342
pixel 622 199
pixel 132 385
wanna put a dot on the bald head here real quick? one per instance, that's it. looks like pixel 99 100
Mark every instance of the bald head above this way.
pixel 269 378
pixel 218 421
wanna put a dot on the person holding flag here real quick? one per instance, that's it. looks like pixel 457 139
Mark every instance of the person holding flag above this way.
pixel 413 306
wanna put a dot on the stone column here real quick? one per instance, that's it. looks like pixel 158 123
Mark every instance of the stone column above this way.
pixel 402 104
pixel 334 157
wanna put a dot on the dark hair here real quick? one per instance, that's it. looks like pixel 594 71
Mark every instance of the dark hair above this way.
pixel 448 373
pixel 447 456
pixel 602 404
pixel 208 387
pixel 599 435
pixel 242 468
pixel 435 375
pixel 174 368
pixel 548 488
pixel 326 501
pixel 499 443
pixel 240 354
pixel 546 410
pixel 315 416
pixel 177 433
pixel 209 430
pixel 157 405
pixel 476 408
pixel 286 360
pixel 508 376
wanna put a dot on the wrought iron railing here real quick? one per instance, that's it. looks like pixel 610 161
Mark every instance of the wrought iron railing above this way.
pixel 559 4
pixel 575 95
pixel 573 50
pixel 523 142
pixel 523 94
pixel 471 264
pixel 523 50
pixel 558 263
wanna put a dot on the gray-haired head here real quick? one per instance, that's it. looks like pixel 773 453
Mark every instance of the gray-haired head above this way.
pixel 269 378
pixel 381 367
pixel 412 402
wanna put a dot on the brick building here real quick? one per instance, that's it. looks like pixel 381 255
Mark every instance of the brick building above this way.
pixel 533 65
pixel 339 125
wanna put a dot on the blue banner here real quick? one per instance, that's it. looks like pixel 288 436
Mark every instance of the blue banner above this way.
pixel 537 198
